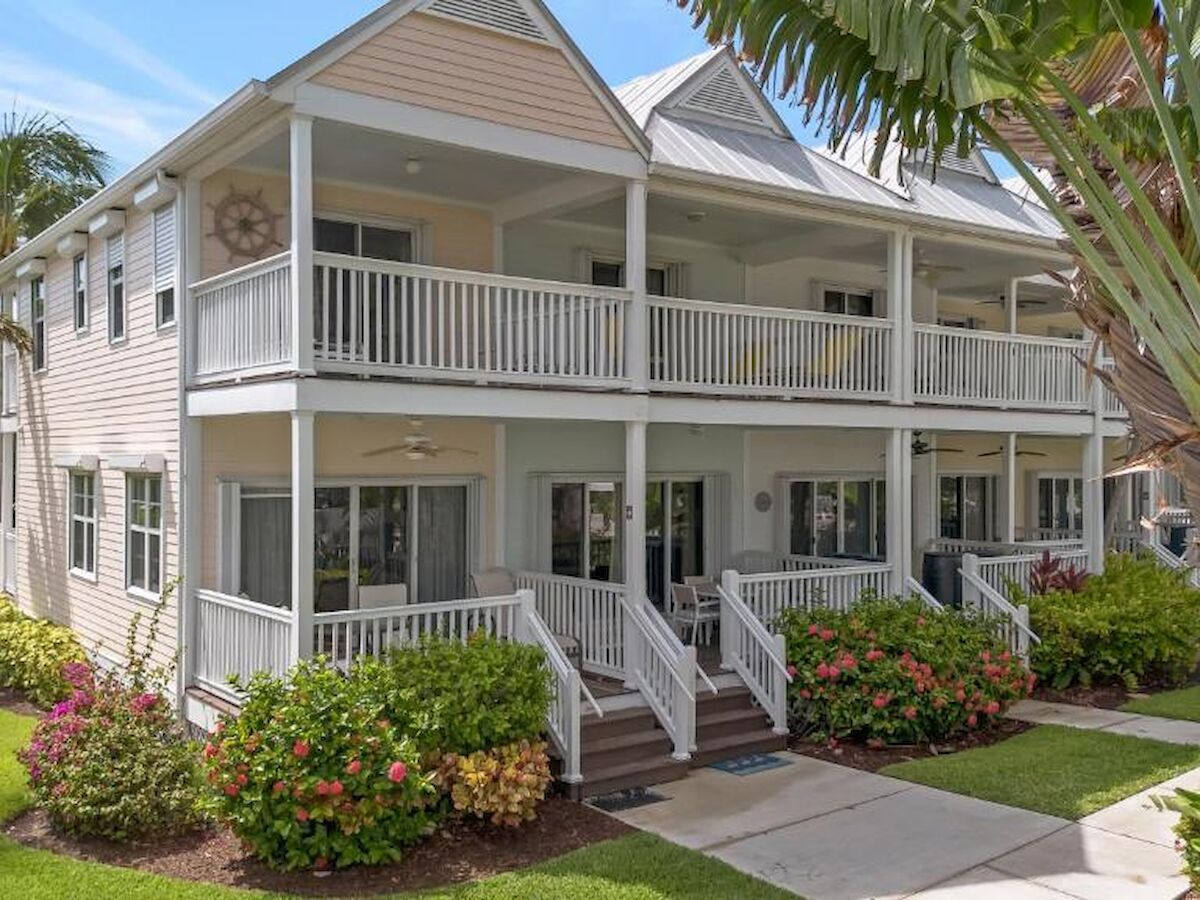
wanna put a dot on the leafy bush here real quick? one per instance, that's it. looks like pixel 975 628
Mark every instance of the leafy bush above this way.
pixel 312 774
pixel 1138 622
pixel 455 697
pixel 1187 804
pixel 1049 574
pixel 895 672
pixel 113 761
pixel 33 653
pixel 506 783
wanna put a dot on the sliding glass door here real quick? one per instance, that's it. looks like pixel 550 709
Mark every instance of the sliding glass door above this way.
pixel 585 532
pixel 675 545
pixel 838 517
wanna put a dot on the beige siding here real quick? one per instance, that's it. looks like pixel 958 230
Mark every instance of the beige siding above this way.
pixel 461 235
pixel 105 400
pixel 429 61
pixel 246 448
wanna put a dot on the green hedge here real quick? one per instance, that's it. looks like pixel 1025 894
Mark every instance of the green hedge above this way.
pixel 33 653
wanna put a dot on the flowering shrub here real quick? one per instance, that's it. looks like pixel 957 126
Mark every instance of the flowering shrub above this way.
pixel 112 760
pixel 33 653
pixel 506 783
pixel 896 672
pixel 311 774
pixel 1187 804
pixel 1136 622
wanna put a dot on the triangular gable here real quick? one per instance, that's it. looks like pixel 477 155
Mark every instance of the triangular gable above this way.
pixel 721 91
pixel 503 61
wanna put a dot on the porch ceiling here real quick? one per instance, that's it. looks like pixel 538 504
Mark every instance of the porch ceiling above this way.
pixel 355 155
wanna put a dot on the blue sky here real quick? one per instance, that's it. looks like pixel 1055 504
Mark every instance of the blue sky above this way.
pixel 130 74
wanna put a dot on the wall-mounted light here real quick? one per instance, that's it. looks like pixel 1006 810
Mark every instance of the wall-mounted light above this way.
pixel 697 216
pixel 413 166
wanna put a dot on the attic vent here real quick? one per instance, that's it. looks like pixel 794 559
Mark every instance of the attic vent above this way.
pixel 964 165
pixel 725 95
pixel 508 16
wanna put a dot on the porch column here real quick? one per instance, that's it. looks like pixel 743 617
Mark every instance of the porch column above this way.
pixel 302 535
pixel 926 524
pixel 1093 500
pixel 1008 503
pixel 190 542
pixel 1011 306
pixel 899 506
pixel 193 266
pixel 499 493
pixel 900 311
pixel 635 281
pixel 302 243
pixel 635 531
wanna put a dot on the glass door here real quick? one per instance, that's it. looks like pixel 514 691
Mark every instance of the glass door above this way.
pixel 675 544
pixel 585 530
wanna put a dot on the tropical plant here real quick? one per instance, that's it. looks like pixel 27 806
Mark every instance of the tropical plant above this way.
pixel 1049 573
pixel 1101 96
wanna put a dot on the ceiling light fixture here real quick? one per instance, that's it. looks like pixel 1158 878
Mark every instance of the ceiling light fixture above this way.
pixel 697 217
pixel 413 166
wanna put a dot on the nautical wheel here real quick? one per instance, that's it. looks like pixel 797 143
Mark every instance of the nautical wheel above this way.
pixel 245 225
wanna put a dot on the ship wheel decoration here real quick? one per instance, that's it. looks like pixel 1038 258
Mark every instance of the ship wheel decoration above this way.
pixel 245 225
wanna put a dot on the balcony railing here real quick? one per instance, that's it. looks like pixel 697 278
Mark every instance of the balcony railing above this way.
pixel 9 385
pixel 244 319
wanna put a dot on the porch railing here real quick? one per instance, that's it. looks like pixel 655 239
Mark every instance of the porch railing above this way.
pixel 1011 622
pixel 244 319
pixel 1169 560
pixel 754 562
pixel 664 671
pixel 588 611
pixel 726 348
pixel 999 572
pixel 238 637
pixel 914 588
pixel 956 545
pixel 412 319
pixel 758 656
pixel 988 368
pixel 768 594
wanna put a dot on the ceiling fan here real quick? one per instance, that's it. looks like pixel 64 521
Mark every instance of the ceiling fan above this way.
pixel 924 268
pixel 1000 452
pixel 921 447
pixel 418 446
pixel 1028 303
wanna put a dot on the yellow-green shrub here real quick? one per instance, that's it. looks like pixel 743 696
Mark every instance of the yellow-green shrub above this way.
pixel 505 783
pixel 33 653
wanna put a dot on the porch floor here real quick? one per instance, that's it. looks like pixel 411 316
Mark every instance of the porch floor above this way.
pixel 708 658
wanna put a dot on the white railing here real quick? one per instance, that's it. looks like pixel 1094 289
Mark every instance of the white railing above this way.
pixel 914 588
pixel 742 349
pixel 1050 535
pixel 664 671
pixel 10 560
pixel 1012 622
pixel 1001 571
pixel 416 320
pixel 758 657
pixel 1126 541
pixel 238 637
pixel 755 562
pixel 1110 403
pixel 988 368
pixel 768 594
pixel 243 319
pixel 955 545
pixel 588 611
pixel 1169 560
pixel 11 386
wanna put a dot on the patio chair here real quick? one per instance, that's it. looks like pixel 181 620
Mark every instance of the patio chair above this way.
pixel 382 596
pixel 689 611
pixel 499 582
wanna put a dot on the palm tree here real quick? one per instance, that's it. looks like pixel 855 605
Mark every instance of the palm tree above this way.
pixel 46 170
pixel 1103 95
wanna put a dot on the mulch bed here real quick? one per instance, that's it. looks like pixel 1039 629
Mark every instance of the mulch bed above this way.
pixel 1110 696
pixel 459 851
pixel 15 702
pixel 860 756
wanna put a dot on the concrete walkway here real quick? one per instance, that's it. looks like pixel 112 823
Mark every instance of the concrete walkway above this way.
pixel 1173 731
pixel 829 832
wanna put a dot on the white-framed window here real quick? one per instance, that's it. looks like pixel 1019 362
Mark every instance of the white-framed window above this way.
pixel 586 534
pixel 79 292
pixel 117 323
pixel 1059 504
pixel 838 516
pixel 967 507
pixel 37 315
pixel 143 533
pixel 164 265
pixel 663 279
pixel 847 300
pixel 369 238
pixel 82 537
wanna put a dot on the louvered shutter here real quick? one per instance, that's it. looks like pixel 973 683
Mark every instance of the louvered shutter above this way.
pixel 164 248
pixel 116 250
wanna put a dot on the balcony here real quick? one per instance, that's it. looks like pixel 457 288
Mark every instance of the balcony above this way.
pixel 403 320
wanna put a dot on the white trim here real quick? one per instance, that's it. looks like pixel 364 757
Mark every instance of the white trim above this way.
pixel 34 268
pixel 463 131
pixel 92 522
pixel 80 286
pixel 148 531
pixel 79 462
pixel 419 231
pixel 820 288
pixel 72 245
pixel 107 223
pixel 109 305
pixel 157 192
pixel 135 463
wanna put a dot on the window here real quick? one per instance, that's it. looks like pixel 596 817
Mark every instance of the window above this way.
pixel 585 533
pixel 353 238
pixel 144 533
pixel 79 291
pixel 164 265
pixel 116 287
pixel 608 273
pixel 1059 506
pixel 37 307
pixel 847 300
pixel 967 507
pixel 838 517
pixel 83 523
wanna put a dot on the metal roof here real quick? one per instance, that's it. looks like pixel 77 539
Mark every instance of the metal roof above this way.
pixel 642 95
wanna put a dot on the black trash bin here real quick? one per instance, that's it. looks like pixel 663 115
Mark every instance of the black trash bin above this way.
pixel 939 576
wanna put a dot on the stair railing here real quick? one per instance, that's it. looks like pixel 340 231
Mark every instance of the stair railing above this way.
pixel 1012 622
pixel 757 656
pixel 664 670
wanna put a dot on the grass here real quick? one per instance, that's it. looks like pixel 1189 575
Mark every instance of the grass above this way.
pixel 1181 704
pixel 1066 772
pixel 636 867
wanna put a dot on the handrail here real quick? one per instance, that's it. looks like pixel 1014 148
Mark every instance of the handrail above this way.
pixel 1015 627
pixel 558 658
pixel 781 312
pixel 916 589
pixel 415 609
pixel 759 657
pixel 672 640
pixel 757 628
pixel 1004 337
pixel 1166 558
pixel 241 604
pixel 241 272
pixel 816 574
pixel 646 627
pixel 671 698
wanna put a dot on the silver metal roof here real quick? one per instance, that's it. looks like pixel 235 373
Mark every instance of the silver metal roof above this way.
pixel 642 95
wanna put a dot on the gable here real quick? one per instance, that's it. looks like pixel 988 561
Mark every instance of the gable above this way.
pixel 722 91
pixel 487 59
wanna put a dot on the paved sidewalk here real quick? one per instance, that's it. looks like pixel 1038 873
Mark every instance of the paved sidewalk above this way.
pixel 1173 731
pixel 829 832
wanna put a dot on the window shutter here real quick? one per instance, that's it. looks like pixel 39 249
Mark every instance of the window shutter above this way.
pixel 229 540
pixel 164 248
pixel 116 250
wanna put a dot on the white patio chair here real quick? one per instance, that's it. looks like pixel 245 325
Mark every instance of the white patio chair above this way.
pixel 499 582
pixel 689 611
pixel 381 596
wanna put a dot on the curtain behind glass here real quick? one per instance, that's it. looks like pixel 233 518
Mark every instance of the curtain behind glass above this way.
pixel 266 551
pixel 383 541
pixel 331 531
pixel 442 552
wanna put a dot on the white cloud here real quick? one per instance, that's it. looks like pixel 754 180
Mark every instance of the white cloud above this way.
pixel 128 128
pixel 73 20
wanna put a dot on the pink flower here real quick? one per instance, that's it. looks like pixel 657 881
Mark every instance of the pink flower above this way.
pixel 881 700
pixel 834 671
pixel 210 750
pixel 279 787
pixel 335 788
pixel 873 655
pixel 322 788
pixel 992 708
pixel 353 767
pixel 813 630
pixel 849 662
pixel 822 670
pixel 910 712
pixel 302 815
pixel 232 789
pixel 143 702
pixel 241 780
pixel 920 620
pixel 972 720
pixel 397 772
pixel 828 634
pixel 300 749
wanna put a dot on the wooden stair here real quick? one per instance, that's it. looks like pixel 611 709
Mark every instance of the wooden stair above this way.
pixel 728 724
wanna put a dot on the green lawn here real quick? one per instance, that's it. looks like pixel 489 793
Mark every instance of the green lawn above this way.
pixel 637 867
pixel 1181 704
pixel 1067 772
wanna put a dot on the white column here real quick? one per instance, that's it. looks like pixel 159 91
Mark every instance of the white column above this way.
pixel 1009 486
pixel 302 243
pixel 899 506
pixel 635 280
pixel 1011 306
pixel 193 267
pixel 896 311
pixel 303 469
pixel 926 524
pixel 1093 500
pixel 191 530
pixel 635 530
pixel 499 492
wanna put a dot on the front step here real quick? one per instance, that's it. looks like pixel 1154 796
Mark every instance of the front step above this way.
pixel 625 749
pixel 729 725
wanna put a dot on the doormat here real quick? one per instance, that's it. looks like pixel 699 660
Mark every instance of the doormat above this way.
pixel 750 764
pixel 619 801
